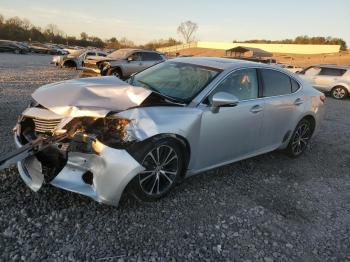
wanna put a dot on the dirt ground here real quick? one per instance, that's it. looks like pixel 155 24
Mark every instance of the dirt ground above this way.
pixel 267 208
pixel 341 58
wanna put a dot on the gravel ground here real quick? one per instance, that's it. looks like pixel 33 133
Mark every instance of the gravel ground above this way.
pixel 268 208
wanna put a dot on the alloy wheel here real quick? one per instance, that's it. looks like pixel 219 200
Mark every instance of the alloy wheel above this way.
pixel 338 92
pixel 161 168
pixel 301 138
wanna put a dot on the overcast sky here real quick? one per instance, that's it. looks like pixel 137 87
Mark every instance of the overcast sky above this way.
pixel 220 20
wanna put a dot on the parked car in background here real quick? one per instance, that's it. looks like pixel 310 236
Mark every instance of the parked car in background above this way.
pixel 99 136
pixel 56 50
pixel 329 78
pixel 291 68
pixel 76 58
pixel 122 63
pixel 13 47
pixel 39 48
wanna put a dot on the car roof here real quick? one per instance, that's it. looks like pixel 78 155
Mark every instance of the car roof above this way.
pixel 218 63
pixel 333 66
pixel 129 50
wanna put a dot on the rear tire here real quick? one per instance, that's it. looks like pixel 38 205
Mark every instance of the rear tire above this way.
pixel 339 92
pixel 163 161
pixel 300 138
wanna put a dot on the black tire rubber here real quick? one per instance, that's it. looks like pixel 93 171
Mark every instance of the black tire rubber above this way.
pixel 346 93
pixel 140 155
pixel 113 71
pixel 289 149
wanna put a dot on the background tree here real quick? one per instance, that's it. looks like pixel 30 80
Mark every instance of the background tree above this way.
pixel 84 36
pixel 124 42
pixel 304 39
pixel 187 30
pixel 153 45
pixel 113 43
pixel 26 24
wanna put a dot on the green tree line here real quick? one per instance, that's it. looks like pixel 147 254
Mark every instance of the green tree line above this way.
pixel 314 40
pixel 17 29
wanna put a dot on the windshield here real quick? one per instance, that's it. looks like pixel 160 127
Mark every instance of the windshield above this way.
pixel 119 54
pixel 76 52
pixel 179 81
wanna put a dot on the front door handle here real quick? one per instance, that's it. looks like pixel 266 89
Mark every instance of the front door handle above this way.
pixel 298 101
pixel 256 109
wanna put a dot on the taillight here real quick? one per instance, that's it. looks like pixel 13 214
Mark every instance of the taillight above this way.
pixel 323 98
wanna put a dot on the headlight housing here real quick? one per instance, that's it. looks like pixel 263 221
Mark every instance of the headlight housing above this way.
pixel 111 130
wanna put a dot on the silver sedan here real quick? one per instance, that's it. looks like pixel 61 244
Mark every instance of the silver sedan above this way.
pixel 99 136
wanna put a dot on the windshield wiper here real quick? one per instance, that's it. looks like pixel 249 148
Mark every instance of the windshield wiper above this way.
pixel 174 99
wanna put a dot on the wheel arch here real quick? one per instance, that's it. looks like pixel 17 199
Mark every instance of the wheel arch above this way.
pixel 312 120
pixel 114 68
pixel 70 63
pixel 342 84
pixel 288 135
pixel 182 141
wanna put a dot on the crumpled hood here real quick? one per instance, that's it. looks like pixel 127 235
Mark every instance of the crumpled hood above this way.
pixel 95 96
pixel 98 58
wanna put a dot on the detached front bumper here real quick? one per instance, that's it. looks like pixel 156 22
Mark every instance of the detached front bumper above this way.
pixel 102 175
pixel 87 71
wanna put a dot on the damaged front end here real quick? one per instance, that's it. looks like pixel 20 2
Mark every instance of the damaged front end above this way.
pixel 86 155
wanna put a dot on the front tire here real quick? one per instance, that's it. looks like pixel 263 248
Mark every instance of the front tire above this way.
pixel 339 92
pixel 163 161
pixel 116 72
pixel 300 138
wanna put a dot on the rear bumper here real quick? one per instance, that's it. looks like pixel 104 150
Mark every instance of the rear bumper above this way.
pixel 110 171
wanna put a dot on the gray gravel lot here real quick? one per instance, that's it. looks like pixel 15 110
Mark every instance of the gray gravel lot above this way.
pixel 268 208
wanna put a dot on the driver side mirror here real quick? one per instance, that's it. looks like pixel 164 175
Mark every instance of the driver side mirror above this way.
pixel 130 58
pixel 223 99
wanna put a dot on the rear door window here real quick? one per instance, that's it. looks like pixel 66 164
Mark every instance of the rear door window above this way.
pixel 332 71
pixel 150 56
pixel 275 83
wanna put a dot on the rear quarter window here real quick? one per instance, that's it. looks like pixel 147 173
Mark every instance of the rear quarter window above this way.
pixel 295 85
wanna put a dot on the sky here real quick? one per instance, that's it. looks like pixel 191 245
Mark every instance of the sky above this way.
pixel 220 20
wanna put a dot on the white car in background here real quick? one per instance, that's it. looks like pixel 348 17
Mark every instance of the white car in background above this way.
pixel 329 78
pixel 290 68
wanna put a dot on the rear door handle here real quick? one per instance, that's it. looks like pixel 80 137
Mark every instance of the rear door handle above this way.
pixel 298 101
pixel 256 109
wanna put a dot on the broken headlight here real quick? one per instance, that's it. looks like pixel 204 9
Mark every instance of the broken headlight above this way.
pixel 111 131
